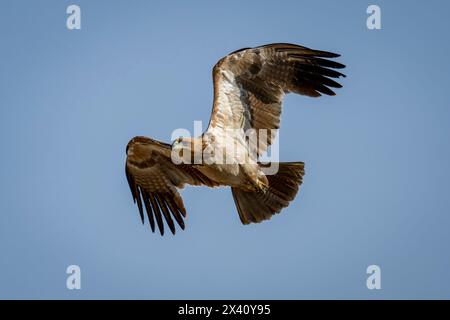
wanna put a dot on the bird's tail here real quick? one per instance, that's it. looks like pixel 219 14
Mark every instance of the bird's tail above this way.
pixel 256 206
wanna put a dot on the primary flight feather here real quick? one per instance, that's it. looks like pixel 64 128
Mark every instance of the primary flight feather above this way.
pixel 249 87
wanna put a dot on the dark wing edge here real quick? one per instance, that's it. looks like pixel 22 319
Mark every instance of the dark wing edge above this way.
pixel 161 202
pixel 157 205
pixel 293 68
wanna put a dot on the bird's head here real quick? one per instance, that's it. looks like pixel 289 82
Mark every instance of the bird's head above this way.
pixel 182 143
pixel 183 148
pixel 177 142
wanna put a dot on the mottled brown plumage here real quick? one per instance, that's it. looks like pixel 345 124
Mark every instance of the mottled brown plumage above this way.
pixel 264 75
pixel 249 87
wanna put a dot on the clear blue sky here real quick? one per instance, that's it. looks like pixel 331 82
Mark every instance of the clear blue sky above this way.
pixel 377 155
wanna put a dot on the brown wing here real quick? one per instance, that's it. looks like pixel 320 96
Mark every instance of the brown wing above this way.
pixel 153 179
pixel 250 84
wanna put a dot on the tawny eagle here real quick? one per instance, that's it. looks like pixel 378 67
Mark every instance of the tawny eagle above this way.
pixel 249 87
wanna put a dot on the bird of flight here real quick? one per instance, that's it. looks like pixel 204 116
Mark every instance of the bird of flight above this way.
pixel 249 87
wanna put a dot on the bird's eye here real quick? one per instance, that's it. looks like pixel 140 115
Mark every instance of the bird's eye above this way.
pixel 175 142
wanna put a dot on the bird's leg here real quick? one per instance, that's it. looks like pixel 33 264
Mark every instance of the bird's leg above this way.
pixel 256 179
pixel 262 185
pixel 261 182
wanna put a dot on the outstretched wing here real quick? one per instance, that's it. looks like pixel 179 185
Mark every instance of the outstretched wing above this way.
pixel 153 179
pixel 250 84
